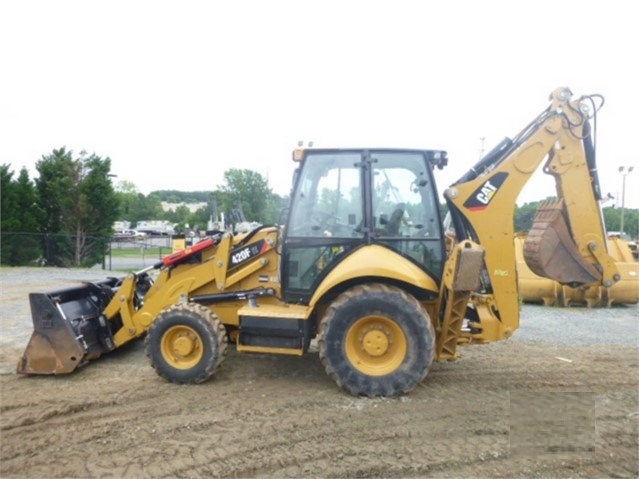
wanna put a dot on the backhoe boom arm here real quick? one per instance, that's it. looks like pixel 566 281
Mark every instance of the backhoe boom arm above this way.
pixel 568 242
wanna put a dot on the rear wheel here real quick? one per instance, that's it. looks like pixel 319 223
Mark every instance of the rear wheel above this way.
pixel 376 340
pixel 186 343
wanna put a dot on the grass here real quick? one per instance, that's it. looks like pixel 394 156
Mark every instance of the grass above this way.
pixel 155 252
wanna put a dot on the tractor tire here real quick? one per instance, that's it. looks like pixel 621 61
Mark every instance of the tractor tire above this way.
pixel 376 340
pixel 186 343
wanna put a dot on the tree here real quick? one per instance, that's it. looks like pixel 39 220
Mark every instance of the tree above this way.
pixel 525 215
pixel 8 205
pixel 179 216
pixel 80 206
pixel 199 219
pixel 20 240
pixel 175 196
pixel 275 209
pixel 9 219
pixel 246 190
pixel 612 218
pixel 134 206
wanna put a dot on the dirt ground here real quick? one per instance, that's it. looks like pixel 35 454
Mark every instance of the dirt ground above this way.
pixel 518 408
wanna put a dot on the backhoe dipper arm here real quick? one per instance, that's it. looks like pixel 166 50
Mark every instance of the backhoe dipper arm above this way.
pixel 567 242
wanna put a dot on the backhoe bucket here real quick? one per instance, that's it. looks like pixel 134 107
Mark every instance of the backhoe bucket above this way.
pixel 69 328
pixel 550 251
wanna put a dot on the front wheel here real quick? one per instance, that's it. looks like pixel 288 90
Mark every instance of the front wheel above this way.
pixel 186 343
pixel 376 340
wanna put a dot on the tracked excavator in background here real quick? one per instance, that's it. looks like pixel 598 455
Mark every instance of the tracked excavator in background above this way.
pixel 364 266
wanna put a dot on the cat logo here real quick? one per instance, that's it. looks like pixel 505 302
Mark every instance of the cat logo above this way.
pixel 483 195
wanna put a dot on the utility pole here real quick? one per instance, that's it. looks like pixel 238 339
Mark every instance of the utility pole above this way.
pixel 624 172
pixel 481 148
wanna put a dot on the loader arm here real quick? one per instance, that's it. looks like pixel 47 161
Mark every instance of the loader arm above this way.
pixel 176 285
pixel 76 325
pixel 567 242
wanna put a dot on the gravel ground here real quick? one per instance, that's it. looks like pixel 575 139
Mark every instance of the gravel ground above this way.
pixel 578 325
pixel 558 400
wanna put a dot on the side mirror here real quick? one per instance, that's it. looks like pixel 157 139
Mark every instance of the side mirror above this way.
pixel 283 216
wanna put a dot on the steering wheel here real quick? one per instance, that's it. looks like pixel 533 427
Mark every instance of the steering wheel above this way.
pixel 321 220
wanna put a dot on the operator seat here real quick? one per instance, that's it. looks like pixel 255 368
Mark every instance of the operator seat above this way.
pixel 394 222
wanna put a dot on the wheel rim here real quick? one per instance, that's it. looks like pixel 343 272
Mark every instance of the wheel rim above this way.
pixel 182 347
pixel 376 345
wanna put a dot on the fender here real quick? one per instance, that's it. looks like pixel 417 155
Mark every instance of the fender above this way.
pixel 375 261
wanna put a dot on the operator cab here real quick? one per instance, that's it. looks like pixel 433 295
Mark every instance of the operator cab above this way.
pixel 345 199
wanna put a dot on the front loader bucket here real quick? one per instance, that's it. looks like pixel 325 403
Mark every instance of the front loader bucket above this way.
pixel 68 328
pixel 550 251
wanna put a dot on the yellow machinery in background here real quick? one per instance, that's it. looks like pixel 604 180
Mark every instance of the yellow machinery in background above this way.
pixel 537 289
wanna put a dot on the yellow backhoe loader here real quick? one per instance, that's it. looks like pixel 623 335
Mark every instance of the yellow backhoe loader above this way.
pixel 364 265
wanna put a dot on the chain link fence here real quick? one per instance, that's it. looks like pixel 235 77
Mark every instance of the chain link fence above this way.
pixel 69 251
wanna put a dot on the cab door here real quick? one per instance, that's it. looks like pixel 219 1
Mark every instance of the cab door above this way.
pixel 326 219
pixel 405 209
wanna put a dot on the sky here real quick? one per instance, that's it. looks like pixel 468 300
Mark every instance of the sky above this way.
pixel 176 93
